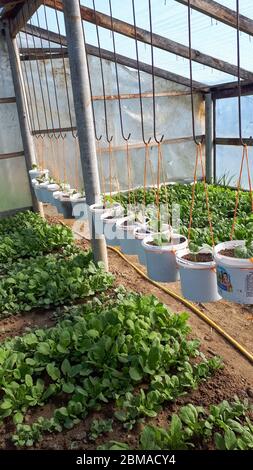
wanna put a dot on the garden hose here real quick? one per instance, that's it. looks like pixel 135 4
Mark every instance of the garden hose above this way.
pixel 190 306
pixel 183 301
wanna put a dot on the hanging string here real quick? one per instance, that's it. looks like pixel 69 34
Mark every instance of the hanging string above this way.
pixel 158 180
pixel 101 170
pixel 199 156
pixel 110 170
pixel 76 177
pixel 145 174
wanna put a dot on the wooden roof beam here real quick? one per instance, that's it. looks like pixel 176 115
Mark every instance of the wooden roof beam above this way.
pixel 159 42
pixel 221 13
pixel 23 15
pixel 122 60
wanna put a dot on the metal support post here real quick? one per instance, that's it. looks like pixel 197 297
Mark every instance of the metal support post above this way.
pixel 84 117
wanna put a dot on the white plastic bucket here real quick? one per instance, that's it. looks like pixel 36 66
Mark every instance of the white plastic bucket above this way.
pixel 52 188
pixel 41 191
pixel 110 229
pixel 126 235
pixel 57 203
pixel 95 212
pixel 161 260
pixel 198 280
pixel 66 206
pixel 140 234
pixel 234 275
pixel 79 206
pixel 36 173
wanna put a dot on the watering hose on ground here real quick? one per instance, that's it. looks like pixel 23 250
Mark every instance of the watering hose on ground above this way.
pixel 183 301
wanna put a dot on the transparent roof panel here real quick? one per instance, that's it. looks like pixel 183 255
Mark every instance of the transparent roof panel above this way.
pixel 169 20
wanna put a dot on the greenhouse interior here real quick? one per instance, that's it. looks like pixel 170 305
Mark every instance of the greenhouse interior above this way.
pixel 126 228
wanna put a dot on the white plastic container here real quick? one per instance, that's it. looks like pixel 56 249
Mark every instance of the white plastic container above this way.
pixel 95 212
pixel 126 228
pixel 198 280
pixel 57 203
pixel 79 206
pixel 110 229
pixel 140 234
pixel 161 260
pixel 52 188
pixel 41 191
pixel 36 173
pixel 234 275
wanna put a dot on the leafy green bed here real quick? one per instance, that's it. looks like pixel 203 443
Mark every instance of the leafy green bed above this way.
pixel 226 426
pixel 27 234
pixel 21 220
pixel 222 204
pixel 50 280
pixel 130 350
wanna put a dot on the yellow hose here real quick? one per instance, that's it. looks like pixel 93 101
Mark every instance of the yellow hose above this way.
pixel 185 302
pixel 190 306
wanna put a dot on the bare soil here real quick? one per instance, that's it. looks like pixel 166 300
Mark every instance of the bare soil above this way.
pixel 228 252
pixel 199 257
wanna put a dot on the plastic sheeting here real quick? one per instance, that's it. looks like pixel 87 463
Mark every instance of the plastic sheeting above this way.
pixel 173 119
pixel 14 188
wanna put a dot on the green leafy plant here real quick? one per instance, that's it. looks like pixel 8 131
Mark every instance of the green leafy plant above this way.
pixel 102 351
pixel 50 280
pixel 227 425
pixel 99 427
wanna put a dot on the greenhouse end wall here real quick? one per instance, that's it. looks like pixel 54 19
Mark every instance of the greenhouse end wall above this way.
pixel 14 185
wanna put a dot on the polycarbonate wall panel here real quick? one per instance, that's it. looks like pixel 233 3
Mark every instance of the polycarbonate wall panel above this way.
pixel 228 161
pixel 227 123
pixel 10 137
pixel 14 186
pixel 173 119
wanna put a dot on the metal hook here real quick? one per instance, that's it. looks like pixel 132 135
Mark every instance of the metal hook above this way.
pixel 109 140
pixel 191 79
pixel 139 77
pixel 239 74
pixel 158 141
pixel 117 77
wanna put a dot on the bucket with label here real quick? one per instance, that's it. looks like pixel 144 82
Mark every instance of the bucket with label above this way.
pixel 198 278
pixel 234 275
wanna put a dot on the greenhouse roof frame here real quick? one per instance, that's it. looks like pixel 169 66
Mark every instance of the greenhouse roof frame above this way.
pixel 18 14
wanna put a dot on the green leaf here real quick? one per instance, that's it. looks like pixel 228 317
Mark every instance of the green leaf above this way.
pixel 230 439
pixel 66 367
pixel 28 380
pixel 44 348
pixel 135 374
pixel 154 357
pixel 6 404
pixel 53 371
pixel 68 387
pixel 18 418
